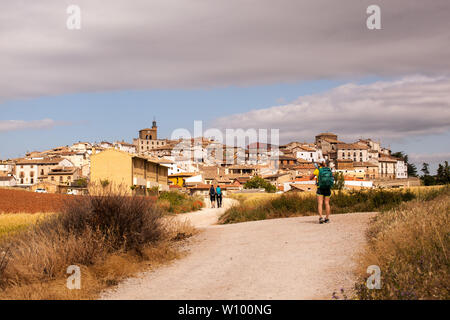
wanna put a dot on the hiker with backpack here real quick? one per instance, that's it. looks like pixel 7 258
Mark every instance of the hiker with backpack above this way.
pixel 219 197
pixel 212 196
pixel 324 181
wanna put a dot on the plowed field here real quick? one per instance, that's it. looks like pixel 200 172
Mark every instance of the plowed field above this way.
pixel 19 201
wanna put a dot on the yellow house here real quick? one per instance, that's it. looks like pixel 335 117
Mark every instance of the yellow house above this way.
pixel 179 179
pixel 129 171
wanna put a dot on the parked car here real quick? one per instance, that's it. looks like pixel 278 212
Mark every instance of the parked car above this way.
pixel 40 190
pixel 72 191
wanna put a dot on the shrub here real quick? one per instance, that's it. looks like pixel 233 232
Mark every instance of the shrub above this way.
pixel 124 221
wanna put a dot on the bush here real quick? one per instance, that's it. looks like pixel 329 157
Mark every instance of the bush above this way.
pixel 124 221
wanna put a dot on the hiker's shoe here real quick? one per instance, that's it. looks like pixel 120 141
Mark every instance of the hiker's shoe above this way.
pixel 320 220
pixel 326 220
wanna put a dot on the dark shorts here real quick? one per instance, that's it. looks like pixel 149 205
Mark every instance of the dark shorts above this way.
pixel 212 198
pixel 324 191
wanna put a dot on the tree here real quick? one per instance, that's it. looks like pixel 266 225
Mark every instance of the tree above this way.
pixel 412 170
pixel 425 169
pixel 259 183
pixel 339 181
pixel 426 178
pixel 447 172
pixel 440 176
pixel 443 174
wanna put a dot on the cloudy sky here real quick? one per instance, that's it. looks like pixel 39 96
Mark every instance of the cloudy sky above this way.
pixel 303 66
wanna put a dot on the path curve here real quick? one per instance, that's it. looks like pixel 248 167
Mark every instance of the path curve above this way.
pixel 290 258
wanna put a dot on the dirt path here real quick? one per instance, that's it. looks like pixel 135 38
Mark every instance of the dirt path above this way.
pixel 292 258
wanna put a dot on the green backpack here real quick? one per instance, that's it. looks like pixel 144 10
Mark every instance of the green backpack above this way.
pixel 325 178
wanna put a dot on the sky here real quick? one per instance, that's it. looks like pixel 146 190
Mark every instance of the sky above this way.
pixel 302 67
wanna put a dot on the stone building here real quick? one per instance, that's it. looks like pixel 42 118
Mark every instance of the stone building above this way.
pixel 352 151
pixel 370 169
pixel 387 167
pixel 148 139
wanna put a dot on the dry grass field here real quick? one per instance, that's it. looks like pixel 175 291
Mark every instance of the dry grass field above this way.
pixel 16 222
pixel 411 245
pixel 108 236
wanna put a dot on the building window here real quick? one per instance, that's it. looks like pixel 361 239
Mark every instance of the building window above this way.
pixel 31 180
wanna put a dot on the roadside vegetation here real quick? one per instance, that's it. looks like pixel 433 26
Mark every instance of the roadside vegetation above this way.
pixel 259 183
pixel 303 204
pixel 110 236
pixel 177 202
pixel 411 245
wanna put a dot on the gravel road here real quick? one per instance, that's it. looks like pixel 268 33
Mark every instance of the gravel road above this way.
pixel 290 258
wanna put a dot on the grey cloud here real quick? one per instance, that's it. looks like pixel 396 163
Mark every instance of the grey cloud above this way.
pixel 143 44
pixel 390 110
pixel 14 125
pixel 431 158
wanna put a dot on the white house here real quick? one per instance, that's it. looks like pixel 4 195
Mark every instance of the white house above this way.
pixel 6 167
pixel 309 154
pixel 173 167
pixel 124 146
pixel 401 170
pixel 29 171
pixel 8 181
pixel 194 179
pixel 81 146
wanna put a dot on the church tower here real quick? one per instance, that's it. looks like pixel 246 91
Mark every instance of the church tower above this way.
pixel 149 133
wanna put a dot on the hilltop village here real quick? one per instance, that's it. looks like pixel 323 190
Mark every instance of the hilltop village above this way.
pixel 192 165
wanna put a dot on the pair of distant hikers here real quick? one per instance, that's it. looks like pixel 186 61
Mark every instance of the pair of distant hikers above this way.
pixel 324 180
pixel 215 194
